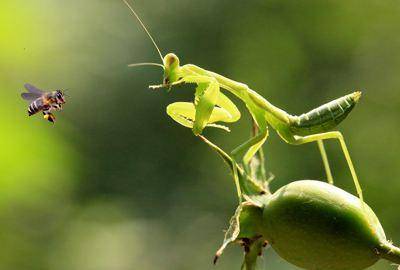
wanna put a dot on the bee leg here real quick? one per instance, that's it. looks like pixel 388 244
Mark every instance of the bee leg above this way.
pixel 57 106
pixel 49 117
pixel 46 115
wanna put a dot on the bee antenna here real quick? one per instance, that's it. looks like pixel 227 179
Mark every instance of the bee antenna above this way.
pixel 66 92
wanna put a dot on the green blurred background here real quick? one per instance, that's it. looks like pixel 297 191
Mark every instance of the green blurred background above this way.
pixel 116 184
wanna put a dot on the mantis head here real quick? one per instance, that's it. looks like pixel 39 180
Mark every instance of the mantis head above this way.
pixel 171 69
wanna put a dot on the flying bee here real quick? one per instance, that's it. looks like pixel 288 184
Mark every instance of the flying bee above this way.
pixel 43 101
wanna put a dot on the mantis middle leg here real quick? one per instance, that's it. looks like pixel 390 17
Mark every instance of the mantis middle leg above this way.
pixel 333 135
pixel 231 163
pixel 250 147
pixel 246 186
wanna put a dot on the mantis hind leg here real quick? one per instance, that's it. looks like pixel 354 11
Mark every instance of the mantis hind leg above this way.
pixel 325 161
pixel 334 135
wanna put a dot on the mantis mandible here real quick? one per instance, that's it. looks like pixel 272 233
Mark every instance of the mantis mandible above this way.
pixel 211 106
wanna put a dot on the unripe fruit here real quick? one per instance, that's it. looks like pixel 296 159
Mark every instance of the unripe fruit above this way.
pixel 317 226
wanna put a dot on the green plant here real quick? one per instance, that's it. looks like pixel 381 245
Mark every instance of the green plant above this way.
pixel 311 224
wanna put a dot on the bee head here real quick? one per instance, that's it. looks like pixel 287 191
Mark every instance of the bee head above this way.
pixel 171 69
pixel 60 96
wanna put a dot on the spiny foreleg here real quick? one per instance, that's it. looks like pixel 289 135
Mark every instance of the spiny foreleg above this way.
pixel 184 114
pixel 209 106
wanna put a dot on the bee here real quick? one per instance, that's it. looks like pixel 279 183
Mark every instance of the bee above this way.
pixel 43 101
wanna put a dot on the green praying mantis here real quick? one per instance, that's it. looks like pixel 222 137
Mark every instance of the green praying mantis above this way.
pixel 211 106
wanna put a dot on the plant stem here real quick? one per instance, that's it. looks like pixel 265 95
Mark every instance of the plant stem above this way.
pixel 390 252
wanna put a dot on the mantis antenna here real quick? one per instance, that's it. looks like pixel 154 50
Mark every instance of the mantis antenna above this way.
pixel 145 29
pixel 145 64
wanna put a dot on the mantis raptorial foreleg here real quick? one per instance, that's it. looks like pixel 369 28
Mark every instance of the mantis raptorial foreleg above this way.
pixel 339 136
pixel 325 161
pixel 184 113
pixel 210 106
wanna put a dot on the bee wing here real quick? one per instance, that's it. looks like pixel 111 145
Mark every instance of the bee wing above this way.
pixel 30 96
pixel 33 89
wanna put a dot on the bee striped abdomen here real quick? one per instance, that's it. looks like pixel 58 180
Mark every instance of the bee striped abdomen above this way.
pixel 325 117
pixel 35 106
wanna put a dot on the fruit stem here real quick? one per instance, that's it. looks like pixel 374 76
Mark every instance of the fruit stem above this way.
pixel 390 252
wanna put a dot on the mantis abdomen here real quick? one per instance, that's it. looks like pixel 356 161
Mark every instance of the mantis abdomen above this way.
pixel 325 117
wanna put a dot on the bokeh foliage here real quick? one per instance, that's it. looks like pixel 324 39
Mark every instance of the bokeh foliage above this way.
pixel 115 184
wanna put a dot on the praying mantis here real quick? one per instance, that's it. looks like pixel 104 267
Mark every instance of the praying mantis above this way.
pixel 211 106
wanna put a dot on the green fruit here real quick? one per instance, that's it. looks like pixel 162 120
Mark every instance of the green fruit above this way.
pixel 250 222
pixel 318 226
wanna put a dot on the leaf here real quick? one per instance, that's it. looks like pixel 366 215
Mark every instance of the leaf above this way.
pixel 256 166
pixel 244 228
pixel 231 234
